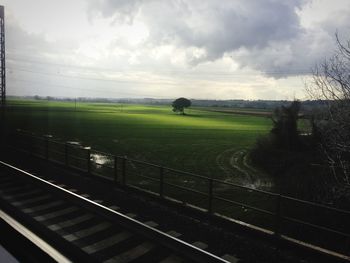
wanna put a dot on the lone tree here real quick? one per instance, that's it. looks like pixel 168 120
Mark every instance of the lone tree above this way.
pixel 180 104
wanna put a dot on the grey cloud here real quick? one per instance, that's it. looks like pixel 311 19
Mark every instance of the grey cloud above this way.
pixel 19 42
pixel 340 24
pixel 264 35
pixel 217 27
pixel 30 61
pixel 120 10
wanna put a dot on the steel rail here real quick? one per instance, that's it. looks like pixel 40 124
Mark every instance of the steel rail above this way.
pixel 178 246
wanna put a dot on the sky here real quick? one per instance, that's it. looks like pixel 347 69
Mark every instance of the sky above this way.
pixel 202 49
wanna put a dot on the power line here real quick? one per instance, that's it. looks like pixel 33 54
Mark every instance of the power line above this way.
pixel 60 75
pixel 294 71
pixel 89 78
pixel 84 89
pixel 61 65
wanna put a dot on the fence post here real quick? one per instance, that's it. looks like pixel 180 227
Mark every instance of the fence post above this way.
pixel 66 154
pixel 278 217
pixel 47 148
pixel 31 146
pixel 161 181
pixel 210 196
pixel 124 170
pixel 115 169
pixel 88 161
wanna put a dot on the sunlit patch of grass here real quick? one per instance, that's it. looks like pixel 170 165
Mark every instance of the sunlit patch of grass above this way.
pixel 149 133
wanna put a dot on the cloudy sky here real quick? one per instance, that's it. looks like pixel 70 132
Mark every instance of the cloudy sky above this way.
pixel 209 49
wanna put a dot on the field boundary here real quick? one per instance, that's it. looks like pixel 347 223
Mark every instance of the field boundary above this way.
pixel 240 111
pixel 285 217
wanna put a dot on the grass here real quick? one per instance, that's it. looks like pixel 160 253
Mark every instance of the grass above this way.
pixel 202 141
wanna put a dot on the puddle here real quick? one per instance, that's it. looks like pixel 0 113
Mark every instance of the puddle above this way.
pixel 188 181
pixel 100 159
pixel 305 134
pixel 74 143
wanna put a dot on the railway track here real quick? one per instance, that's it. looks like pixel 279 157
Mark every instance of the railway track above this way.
pixel 82 230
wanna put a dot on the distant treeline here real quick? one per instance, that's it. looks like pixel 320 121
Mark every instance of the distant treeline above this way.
pixel 255 104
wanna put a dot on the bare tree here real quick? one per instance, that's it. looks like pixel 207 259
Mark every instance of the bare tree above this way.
pixel 331 82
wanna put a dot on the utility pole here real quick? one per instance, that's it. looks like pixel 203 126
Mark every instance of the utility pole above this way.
pixel 2 79
pixel 2 60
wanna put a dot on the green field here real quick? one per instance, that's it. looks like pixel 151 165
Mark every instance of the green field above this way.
pixel 205 142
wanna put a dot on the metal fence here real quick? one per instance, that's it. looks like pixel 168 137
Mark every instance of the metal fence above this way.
pixel 284 216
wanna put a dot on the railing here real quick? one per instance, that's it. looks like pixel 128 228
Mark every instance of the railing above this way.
pixel 276 214
pixel 193 253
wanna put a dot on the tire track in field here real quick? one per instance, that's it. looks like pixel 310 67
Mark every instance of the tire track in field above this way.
pixel 234 163
pixel 227 160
